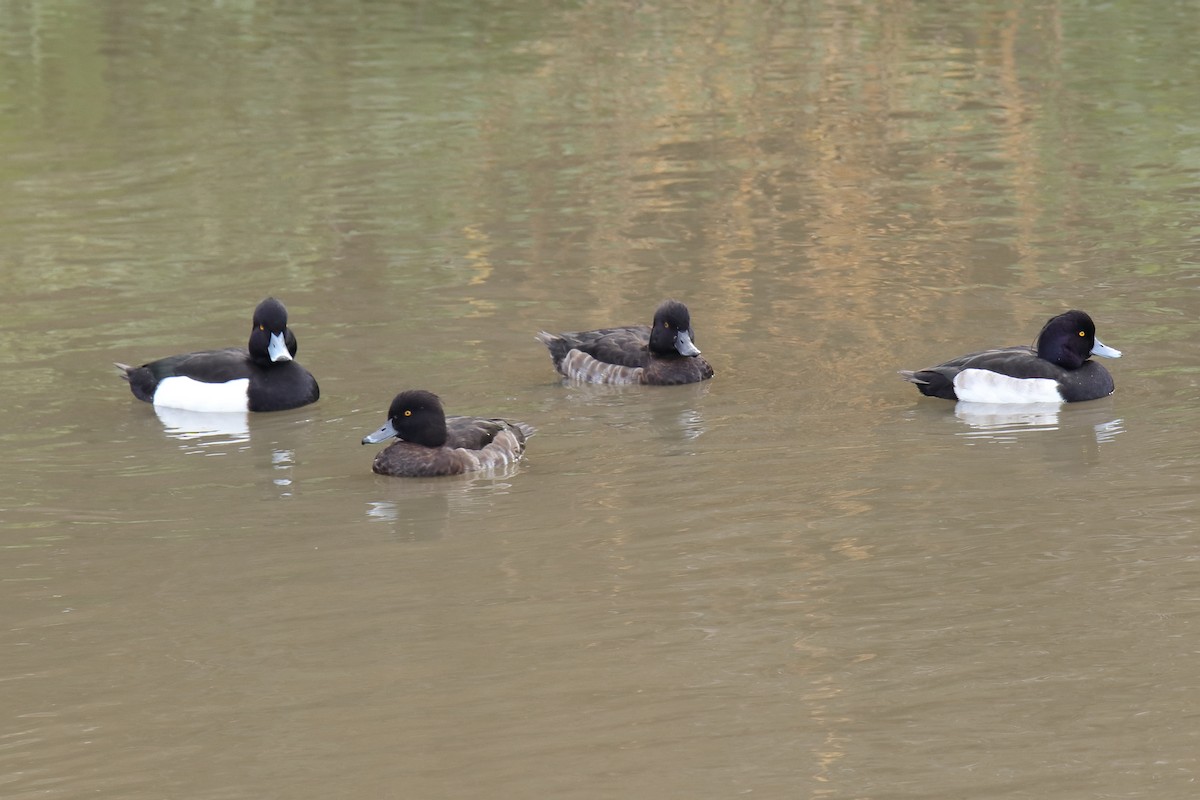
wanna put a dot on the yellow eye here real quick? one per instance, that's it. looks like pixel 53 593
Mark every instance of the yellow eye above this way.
pixel 407 413
pixel 1083 333
pixel 261 328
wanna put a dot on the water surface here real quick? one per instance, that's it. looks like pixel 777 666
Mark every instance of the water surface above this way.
pixel 798 579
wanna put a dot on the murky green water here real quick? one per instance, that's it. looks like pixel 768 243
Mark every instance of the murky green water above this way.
pixel 797 580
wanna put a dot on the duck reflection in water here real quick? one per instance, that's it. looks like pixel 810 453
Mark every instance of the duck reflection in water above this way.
pixel 221 427
pixel 212 433
pixel 1003 421
pixel 674 417
pixel 429 510
pixel 1005 415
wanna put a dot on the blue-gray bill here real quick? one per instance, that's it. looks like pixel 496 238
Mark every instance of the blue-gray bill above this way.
pixel 683 343
pixel 277 348
pixel 386 432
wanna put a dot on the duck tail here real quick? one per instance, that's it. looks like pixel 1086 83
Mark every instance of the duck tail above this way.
pixel 556 345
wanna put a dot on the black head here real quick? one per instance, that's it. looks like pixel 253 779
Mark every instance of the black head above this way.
pixel 671 333
pixel 1069 339
pixel 270 337
pixel 415 416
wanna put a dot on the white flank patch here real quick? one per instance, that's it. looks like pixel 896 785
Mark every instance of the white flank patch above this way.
pixel 984 386
pixel 193 395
